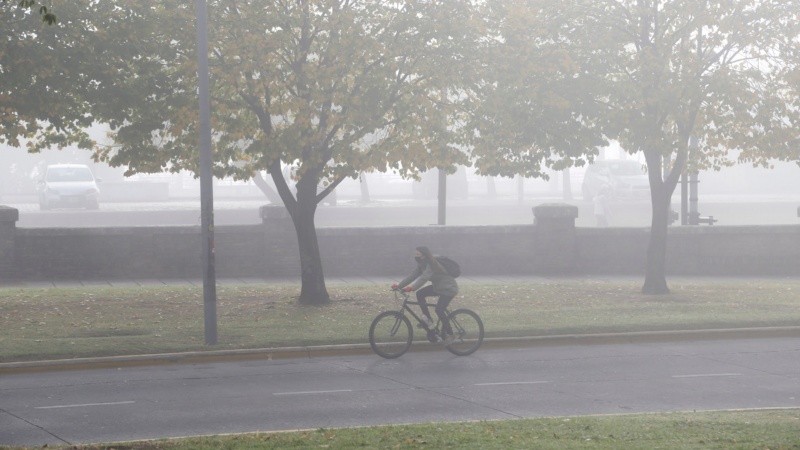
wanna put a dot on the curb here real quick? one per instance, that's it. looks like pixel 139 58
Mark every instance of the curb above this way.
pixel 318 351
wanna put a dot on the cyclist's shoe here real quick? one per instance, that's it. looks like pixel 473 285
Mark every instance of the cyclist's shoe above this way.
pixel 448 340
pixel 427 321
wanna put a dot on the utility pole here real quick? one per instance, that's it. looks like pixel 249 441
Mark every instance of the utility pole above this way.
pixel 206 177
pixel 685 218
pixel 442 195
pixel 694 215
pixel 684 199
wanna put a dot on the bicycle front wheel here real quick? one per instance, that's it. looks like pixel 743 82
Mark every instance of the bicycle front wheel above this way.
pixel 390 334
pixel 468 331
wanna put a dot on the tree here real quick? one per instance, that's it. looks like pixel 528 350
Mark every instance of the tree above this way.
pixel 720 73
pixel 49 77
pixel 330 87
pixel 563 76
pixel 536 110
pixel 38 104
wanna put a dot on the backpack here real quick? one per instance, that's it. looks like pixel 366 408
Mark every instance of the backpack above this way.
pixel 452 267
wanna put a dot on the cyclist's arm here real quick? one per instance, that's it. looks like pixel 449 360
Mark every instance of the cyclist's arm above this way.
pixel 407 280
pixel 423 278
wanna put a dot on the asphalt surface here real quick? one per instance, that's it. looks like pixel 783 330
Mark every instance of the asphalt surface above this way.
pixel 132 403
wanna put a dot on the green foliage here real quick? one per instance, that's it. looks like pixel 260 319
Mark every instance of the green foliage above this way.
pixel 559 77
pixel 716 71
pixel 327 89
pixel 49 76
pixel 333 88
pixel 688 83
pixel 536 90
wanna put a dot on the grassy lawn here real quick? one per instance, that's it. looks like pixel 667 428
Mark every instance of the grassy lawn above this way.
pixel 51 323
pixel 774 429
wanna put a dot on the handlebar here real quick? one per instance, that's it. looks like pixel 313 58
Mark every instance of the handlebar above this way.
pixel 398 292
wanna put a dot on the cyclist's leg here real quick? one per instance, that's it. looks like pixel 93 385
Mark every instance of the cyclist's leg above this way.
pixel 441 307
pixel 427 291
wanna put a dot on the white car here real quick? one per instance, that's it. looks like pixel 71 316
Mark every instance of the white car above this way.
pixel 621 178
pixel 68 186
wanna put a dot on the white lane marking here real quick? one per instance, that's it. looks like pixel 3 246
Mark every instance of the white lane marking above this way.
pixel 510 383
pixel 699 375
pixel 312 392
pixel 81 405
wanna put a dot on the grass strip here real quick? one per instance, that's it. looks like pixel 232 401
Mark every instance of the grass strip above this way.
pixel 766 429
pixel 53 323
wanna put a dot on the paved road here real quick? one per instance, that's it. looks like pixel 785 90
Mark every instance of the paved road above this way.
pixel 179 400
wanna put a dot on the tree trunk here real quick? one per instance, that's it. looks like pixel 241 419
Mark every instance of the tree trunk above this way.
pixel 313 290
pixel 302 210
pixel 655 280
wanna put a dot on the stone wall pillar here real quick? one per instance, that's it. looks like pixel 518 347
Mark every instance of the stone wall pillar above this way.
pixel 556 243
pixel 8 236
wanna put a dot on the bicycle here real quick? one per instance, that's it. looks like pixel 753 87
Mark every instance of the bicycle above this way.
pixel 391 333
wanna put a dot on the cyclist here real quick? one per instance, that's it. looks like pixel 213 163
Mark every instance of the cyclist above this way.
pixel 442 285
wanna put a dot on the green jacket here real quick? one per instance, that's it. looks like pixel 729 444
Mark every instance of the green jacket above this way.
pixel 443 283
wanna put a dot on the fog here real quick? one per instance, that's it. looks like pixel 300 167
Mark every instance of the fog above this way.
pixel 738 195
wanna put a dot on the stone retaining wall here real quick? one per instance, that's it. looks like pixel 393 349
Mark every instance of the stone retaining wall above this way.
pixel 550 246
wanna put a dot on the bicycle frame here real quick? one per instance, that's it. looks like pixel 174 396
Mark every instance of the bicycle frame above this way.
pixel 404 307
pixel 391 332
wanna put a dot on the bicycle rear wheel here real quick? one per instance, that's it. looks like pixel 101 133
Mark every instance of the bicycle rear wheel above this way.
pixel 468 331
pixel 390 334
